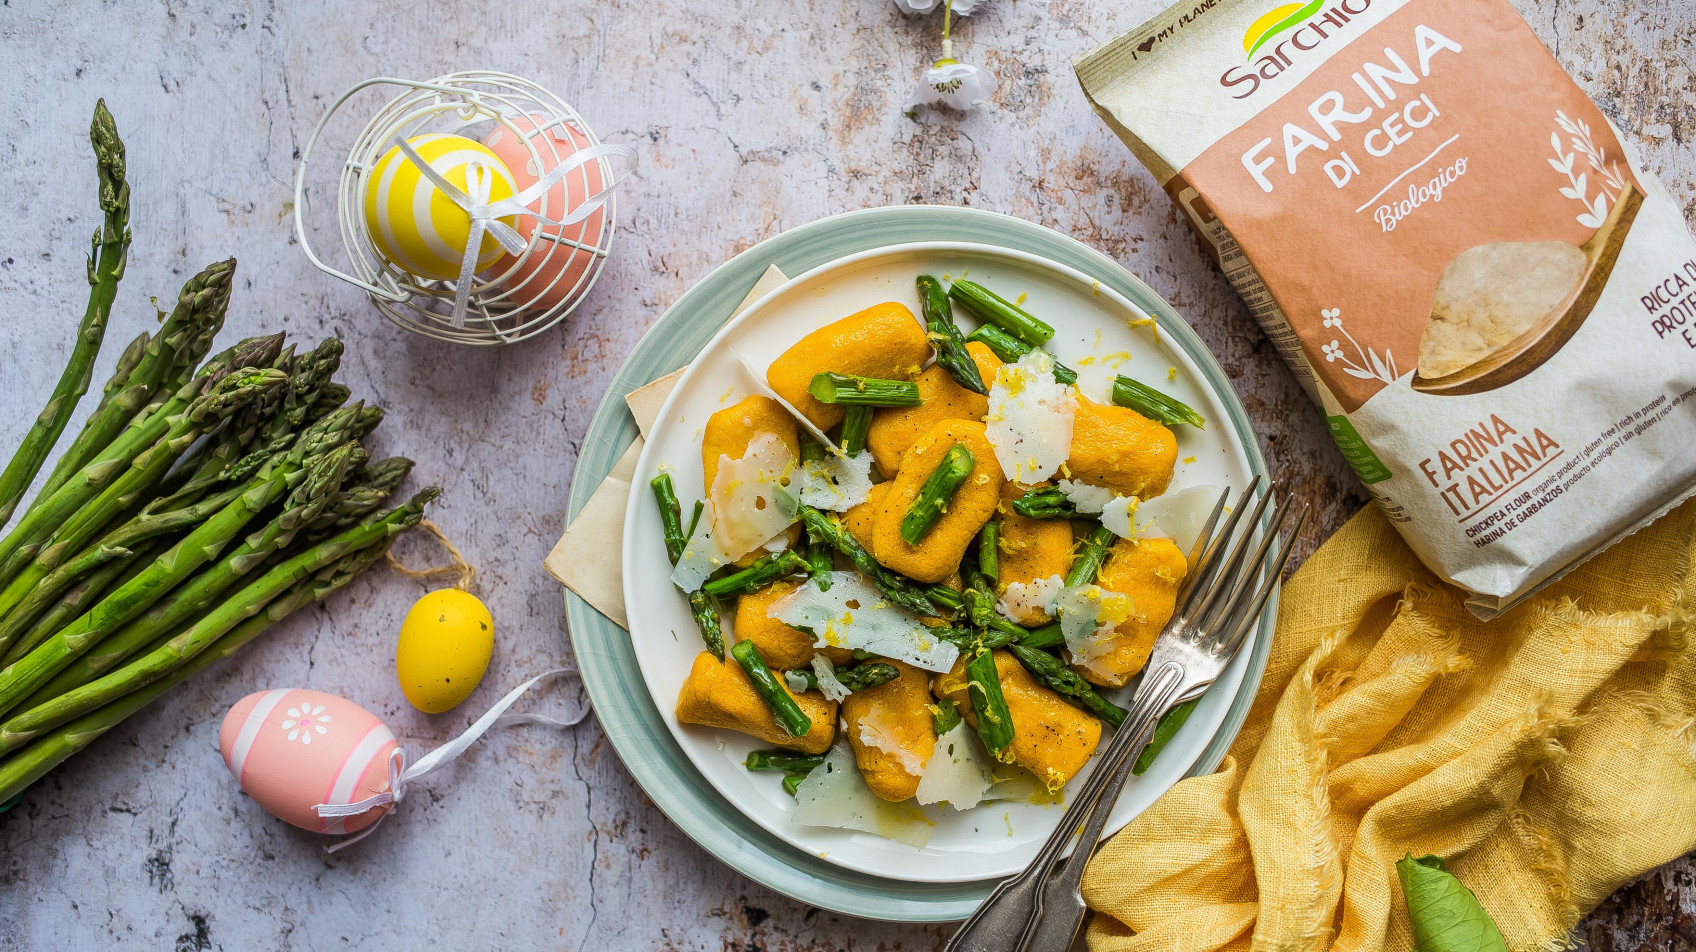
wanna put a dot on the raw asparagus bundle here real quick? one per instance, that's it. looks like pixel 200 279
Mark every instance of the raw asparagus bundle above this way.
pixel 204 500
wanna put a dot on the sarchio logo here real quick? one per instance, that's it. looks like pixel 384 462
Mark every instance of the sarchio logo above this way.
pixel 1286 31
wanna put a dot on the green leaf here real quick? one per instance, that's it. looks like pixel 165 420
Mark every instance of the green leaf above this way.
pixel 1446 915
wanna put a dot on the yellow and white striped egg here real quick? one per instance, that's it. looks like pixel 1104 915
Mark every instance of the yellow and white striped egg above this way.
pixel 417 226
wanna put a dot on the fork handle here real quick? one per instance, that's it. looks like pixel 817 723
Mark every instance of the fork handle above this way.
pixel 1002 918
pixel 1059 910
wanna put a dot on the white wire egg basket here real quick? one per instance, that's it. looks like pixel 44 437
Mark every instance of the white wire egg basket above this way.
pixel 520 295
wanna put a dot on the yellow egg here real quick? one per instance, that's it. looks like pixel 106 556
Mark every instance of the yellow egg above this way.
pixel 444 649
pixel 416 225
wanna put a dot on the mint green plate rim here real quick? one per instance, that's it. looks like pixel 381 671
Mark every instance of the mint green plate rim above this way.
pixel 603 651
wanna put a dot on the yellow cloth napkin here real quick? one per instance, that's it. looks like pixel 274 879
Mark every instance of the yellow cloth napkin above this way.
pixel 1547 755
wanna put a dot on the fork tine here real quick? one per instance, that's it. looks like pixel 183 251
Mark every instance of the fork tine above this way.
pixel 1220 586
pixel 1225 616
pixel 1202 574
pixel 1200 547
pixel 1246 623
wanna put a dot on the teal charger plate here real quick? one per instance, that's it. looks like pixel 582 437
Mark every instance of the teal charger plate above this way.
pixel 604 655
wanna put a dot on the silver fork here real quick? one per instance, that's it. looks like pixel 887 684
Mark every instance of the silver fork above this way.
pixel 1041 908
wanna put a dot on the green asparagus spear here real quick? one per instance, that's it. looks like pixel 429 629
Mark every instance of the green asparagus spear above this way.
pixel 75 600
pixel 792 783
pixel 181 340
pixel 26 766
pixel 46 710
pixel 855 425
pixel 995 721
pixel 790 717
pixel 79 527
pixel 1010 349
pixel 1153 404
pixel 1045 502
pixel 369 488
pixel 948 600
pixel 105 268
pixel 1164 731
pixel 766 570
pixel 705 612
pixel 782 760
pixel 308 499
pixel 944 716
pixel 1053 673
pixel 851 391
pixel 1046 637
pixel 700 606
pixel 671 515
pixel 126 365
pixel 48 511
pixel 1088 561
pixel 199 547
pixel 20 604
pixel 695 518
pixel 945 337
pixel 937 492
pixel 979 596
pixel 1001 312
pixel 989 550
pixel 820 555
pixel 854 677
pixel 264 423
pixel 332 396
pixel 901 591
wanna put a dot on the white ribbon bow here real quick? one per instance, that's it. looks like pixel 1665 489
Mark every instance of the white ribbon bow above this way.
pixel 400 774
pixel 486 215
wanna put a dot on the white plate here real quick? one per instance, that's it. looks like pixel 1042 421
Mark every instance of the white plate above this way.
pixel 996 839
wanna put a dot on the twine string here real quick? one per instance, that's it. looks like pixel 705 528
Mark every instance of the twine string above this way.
pixel 457 565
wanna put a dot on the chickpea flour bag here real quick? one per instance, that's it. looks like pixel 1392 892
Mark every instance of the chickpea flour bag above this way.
pixel 1453 250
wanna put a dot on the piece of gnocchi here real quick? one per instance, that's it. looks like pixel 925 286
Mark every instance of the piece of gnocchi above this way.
pixel 1149 571
pixel 719 694
pixel 891 732
pixel 884 341
pixel 1030 549
pixel 783 648
pixel 728 433
pixel 938 554
pixel 1120 449
pixel 894 429
pixel 1051 739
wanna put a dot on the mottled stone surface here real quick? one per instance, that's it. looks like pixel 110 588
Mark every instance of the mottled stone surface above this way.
pixel 753 117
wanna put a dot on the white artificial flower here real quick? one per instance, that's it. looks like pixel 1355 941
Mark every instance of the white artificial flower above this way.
pixel 953 84
pixel 916 7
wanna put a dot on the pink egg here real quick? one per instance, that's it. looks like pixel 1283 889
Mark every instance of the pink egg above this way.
pixel 550 275
pixel 292 749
